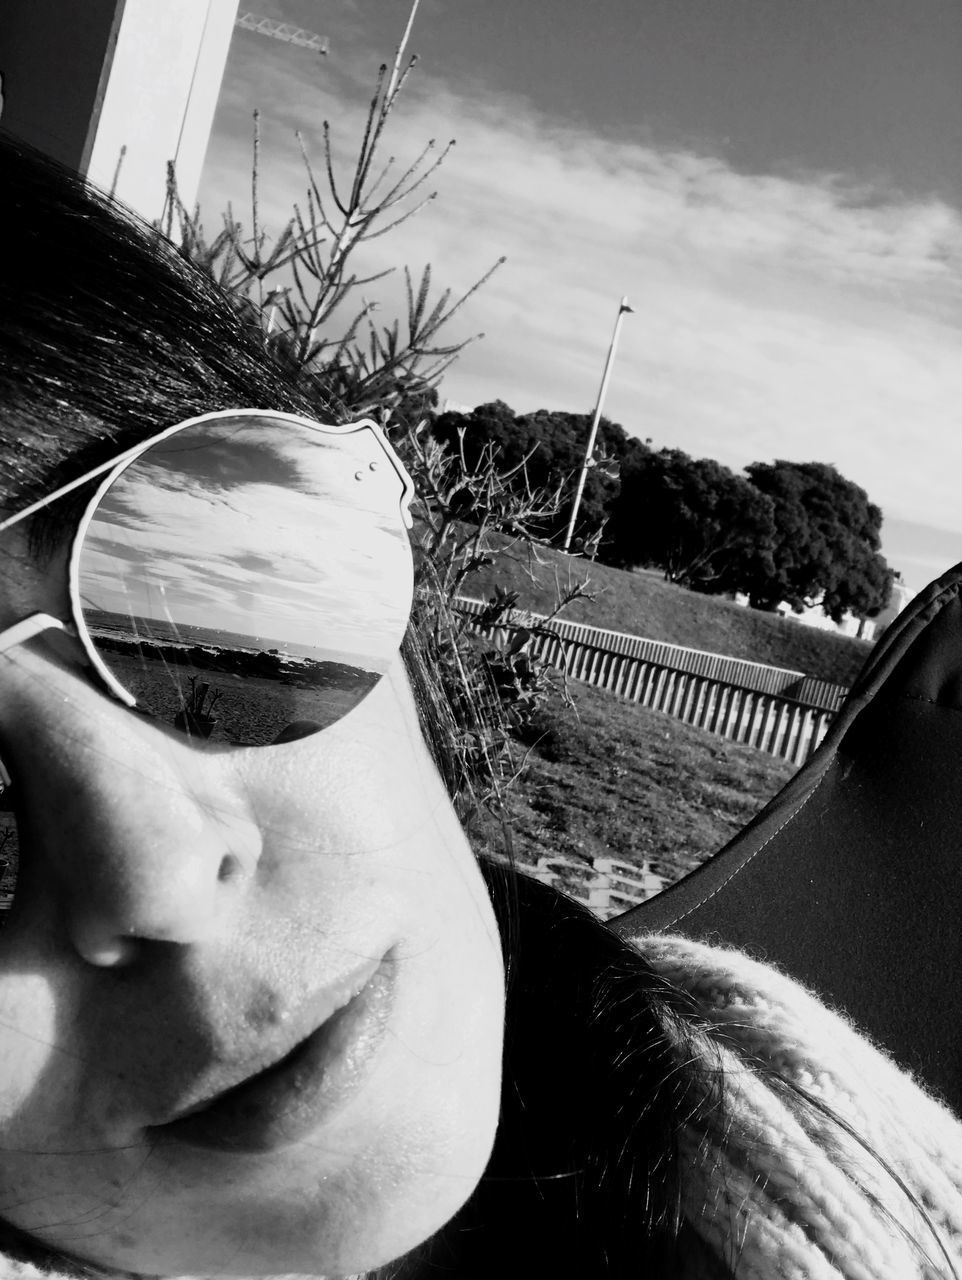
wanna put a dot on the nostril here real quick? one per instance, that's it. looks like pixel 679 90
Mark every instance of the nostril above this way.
pixel 230 868
pixel 101 945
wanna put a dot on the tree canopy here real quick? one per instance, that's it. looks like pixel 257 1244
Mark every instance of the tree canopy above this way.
pixel 551 445
pixel 782 531
pixel 705 526
pixel 827 542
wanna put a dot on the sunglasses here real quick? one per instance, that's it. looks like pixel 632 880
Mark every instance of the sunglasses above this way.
pixel 245 577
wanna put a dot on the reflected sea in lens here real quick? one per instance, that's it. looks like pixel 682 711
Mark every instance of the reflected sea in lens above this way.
pixel 9 859
pixel 223 687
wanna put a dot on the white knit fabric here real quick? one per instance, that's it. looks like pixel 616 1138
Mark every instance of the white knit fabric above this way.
pixel 778 1191
pixel 782 1192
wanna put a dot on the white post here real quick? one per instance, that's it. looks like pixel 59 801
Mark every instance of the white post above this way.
pixel 592 434
pixel 84 80
pixel 159 99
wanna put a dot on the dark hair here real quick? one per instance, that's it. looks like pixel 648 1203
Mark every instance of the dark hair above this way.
pixel 168 342
pixel 107 336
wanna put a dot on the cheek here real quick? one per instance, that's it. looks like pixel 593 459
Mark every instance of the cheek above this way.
pixel 366 801
pixel 364 785
pixel 29 1019
pixel 386 806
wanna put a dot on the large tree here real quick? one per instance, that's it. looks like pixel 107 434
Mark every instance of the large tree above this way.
pixel 552 446
pixel 703 525
pixel 827 542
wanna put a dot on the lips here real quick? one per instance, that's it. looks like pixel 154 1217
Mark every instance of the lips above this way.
pixel 283 1102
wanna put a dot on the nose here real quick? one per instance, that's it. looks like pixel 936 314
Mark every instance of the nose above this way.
pixel 138 835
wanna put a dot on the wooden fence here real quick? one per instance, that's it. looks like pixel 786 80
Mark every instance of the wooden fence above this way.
pixel 606 886
pixel 785 713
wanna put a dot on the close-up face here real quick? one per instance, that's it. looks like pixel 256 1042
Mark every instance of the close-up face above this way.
pixel 469 693
pixel 251 997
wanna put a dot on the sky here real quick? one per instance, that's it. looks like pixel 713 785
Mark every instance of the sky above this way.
pixel 776 186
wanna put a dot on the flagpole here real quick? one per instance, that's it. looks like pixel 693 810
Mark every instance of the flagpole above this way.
pixel 592 434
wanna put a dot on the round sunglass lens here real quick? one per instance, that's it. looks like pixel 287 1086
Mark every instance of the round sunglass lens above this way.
pixel 247 579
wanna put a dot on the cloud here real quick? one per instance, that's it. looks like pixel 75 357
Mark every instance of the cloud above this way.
pixel 804 316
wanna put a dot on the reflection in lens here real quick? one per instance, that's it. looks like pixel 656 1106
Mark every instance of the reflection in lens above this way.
pixel 9 855
pixel 248 573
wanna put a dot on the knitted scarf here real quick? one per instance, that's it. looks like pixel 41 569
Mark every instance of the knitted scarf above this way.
pixel 775 1188
pixel 779 1189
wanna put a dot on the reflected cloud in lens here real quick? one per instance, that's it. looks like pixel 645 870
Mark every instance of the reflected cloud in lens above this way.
pixel 314 557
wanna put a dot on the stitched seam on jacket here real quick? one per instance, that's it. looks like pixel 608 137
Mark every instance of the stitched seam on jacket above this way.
pixel 761 848
pixel 933 702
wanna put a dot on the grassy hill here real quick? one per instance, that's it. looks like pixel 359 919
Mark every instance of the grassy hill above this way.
pixel 618 780
pixel 642 603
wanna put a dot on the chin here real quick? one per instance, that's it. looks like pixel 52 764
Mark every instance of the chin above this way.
pixel 376 1219
pixel 414 1199
pixel 415 1169
pixel 413 1220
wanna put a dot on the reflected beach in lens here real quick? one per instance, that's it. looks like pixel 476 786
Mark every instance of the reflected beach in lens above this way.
pixel 248 573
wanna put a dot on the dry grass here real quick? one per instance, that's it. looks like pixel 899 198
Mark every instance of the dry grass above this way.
pixel 635 784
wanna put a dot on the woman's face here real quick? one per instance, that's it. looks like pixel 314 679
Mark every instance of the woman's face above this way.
pixel 184 919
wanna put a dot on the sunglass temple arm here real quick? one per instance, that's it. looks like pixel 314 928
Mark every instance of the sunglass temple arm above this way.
pixel 28 628
pixel 69 488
